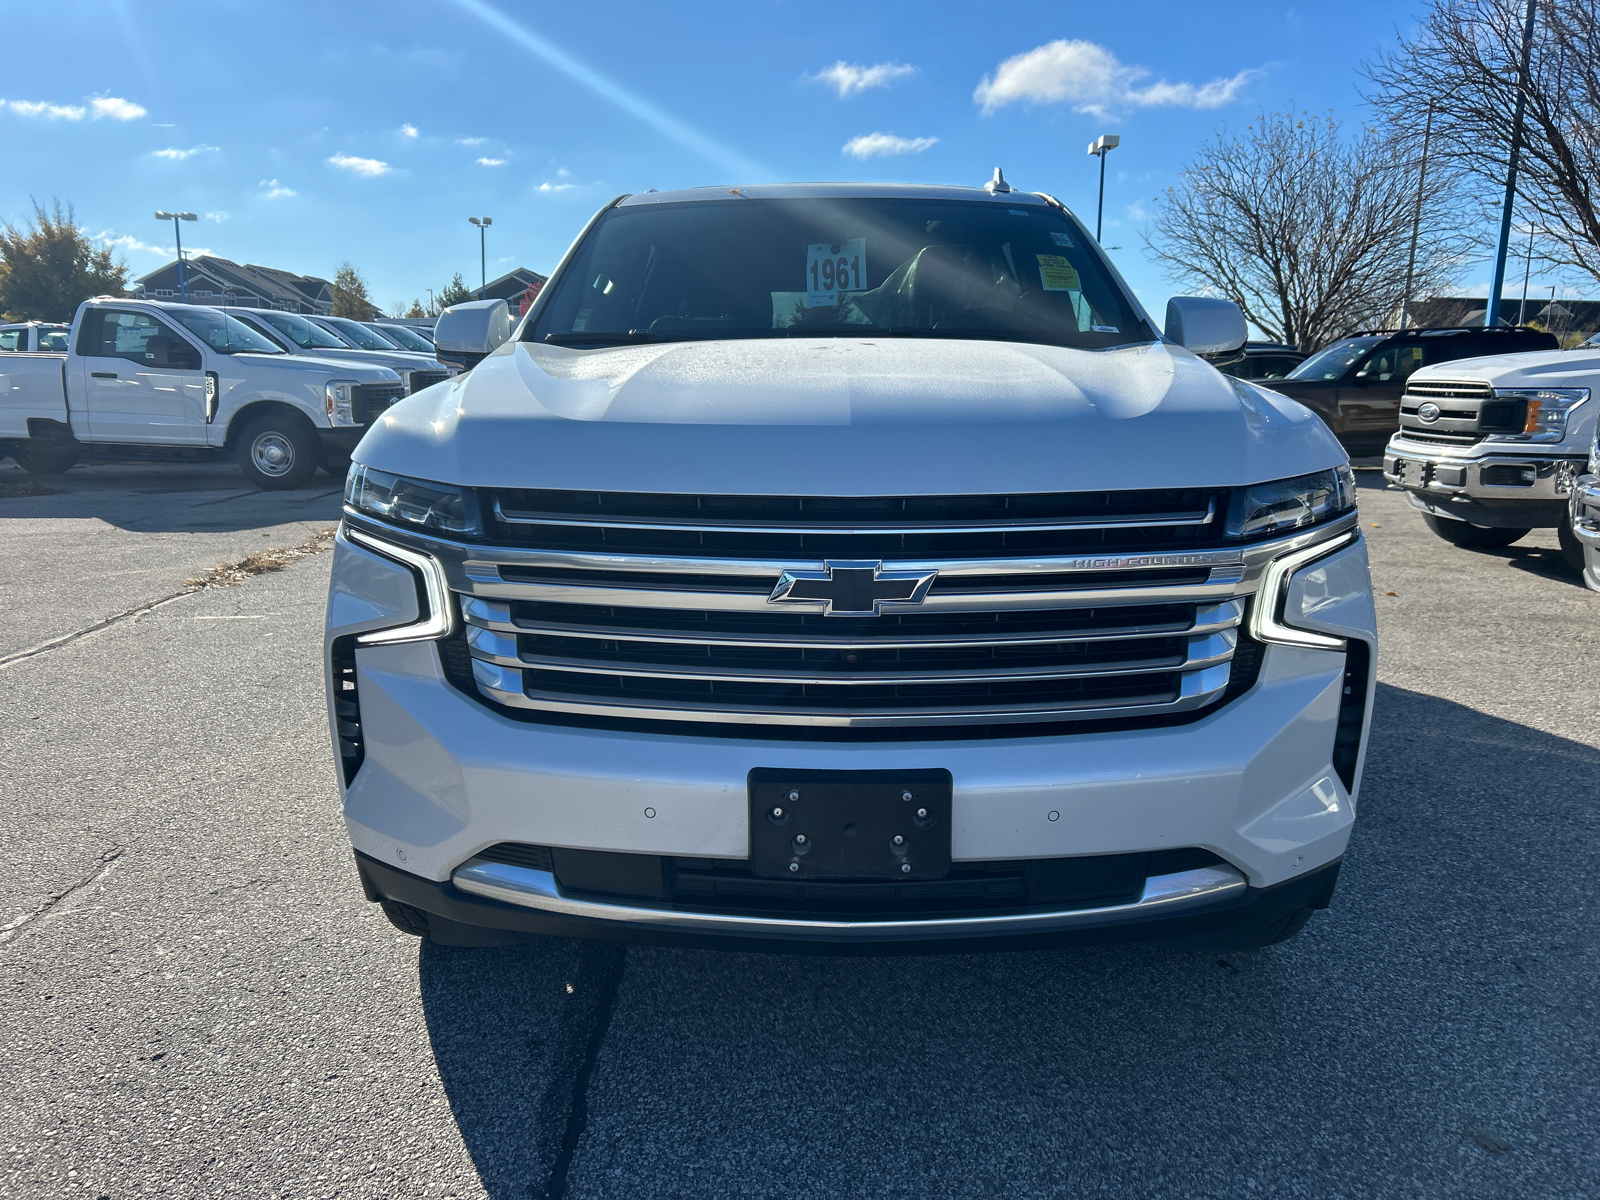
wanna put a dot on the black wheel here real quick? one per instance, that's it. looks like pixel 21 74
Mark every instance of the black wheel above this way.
pixel 43 460
pixel 405 918
pixel 337 465
pixel 1571 547
pixel 277 453
pixel 1472 537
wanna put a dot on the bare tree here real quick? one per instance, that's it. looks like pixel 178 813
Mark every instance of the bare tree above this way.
pixel 1305 231
pixel 1465 58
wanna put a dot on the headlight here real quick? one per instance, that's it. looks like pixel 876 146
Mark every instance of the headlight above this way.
pixel 435 506
pixel 338 393
pixel 1284 504
pixel 1544 414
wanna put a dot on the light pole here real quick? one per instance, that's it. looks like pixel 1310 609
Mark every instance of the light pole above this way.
pixel 1527 269
pixel 483 262
pixel 177 237
pixel 1416 221
pixel 1100 147
pixel 431 313
pixel 1491 316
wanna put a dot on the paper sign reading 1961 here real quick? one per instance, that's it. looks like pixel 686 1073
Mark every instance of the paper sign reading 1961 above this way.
pixel 834 268
pixel 1057 274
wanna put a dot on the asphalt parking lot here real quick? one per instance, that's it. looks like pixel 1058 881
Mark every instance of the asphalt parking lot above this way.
pixel 199 1003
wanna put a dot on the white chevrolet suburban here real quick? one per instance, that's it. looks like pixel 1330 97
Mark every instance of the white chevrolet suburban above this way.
pixel 143 374
pixel 848 566
pixel 1491 448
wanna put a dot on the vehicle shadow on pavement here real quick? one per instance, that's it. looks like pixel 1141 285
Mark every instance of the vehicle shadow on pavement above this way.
pixel 164 497
pixel 1435 1026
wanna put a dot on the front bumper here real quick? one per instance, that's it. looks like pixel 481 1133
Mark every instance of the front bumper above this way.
pixel 1584 513
pixel 442 777
pixel 1498 488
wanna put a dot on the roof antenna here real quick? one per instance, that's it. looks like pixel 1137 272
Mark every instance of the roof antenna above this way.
pixel 997 185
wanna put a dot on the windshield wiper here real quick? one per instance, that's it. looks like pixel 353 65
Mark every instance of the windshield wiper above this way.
pixel 614 338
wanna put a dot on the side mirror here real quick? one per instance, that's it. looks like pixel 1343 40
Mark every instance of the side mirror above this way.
pixel 1205 325
pixel 468 333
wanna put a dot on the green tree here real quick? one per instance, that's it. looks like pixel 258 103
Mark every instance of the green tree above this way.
pixel 47 270
pixel 415 310
pixel 351 296
pixel 454 292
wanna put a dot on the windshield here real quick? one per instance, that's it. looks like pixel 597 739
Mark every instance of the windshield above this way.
pixel 407 338
pixel 303 333
pixel 360 334
pixel 222 333
pixel 838 268
pixel 1331 362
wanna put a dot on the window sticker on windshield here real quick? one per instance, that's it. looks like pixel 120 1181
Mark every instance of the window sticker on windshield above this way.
pixel 1061 239
pixel 1056 274
pixel 1017 212
pixel 835 267
pixel 1104 329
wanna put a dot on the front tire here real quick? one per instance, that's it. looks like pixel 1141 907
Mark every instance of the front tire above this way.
pixel 41 460
pixel 1472 537
pixel 278 453
pixel 1571 547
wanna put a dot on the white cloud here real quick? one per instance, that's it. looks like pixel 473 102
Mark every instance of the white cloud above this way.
pixel 219 217
pixel 471 141
pixel 127 241
pixel 43 108
pixel 556 187
pixel 177 155
pixel 1093 80
pixel 116 108
pixel 276 190
pixel 409 130
pixel 361 166
pixel 563 173
pixel 849 78
pixel 885 145
pixel 491 162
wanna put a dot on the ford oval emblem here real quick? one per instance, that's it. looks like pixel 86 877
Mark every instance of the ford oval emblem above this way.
pixel 1428 413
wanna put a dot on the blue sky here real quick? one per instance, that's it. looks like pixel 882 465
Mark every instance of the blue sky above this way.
pixel 311 133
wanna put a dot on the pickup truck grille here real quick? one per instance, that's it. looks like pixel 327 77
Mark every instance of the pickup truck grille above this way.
pixel 369 400
pixel 1468 412
pixel 423 379
pixel 1042 610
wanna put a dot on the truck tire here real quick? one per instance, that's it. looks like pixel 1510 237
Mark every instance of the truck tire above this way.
pixel 1571 547
pixel 277 453
pixel 1472 537
pixel 43 460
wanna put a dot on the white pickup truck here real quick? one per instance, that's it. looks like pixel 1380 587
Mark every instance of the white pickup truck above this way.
pixel 1491 448
pixel 848 565
pixel 145 374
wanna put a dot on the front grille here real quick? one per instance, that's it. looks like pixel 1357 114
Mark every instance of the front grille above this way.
pixel 728 885
pixel 1468 412
pixel 422 379
pixel 1042 611
pixel 369 401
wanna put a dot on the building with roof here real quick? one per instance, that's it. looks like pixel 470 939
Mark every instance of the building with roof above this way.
pixel 517 288
pixel 218 282
pixel 1564 318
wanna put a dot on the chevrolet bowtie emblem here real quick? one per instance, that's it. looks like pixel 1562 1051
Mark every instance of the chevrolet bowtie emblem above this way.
pixel 852 589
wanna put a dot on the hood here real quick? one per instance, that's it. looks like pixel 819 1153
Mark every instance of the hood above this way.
pixel 1536 368
pixel 399 360
pixel 836 416
pixel 324 368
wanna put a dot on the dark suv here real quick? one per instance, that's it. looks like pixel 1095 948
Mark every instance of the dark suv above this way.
pixel 1355 383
